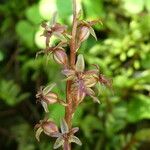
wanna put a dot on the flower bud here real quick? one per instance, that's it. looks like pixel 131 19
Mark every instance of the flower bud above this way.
pixel 60 57
pixel 84 33
pixel 49 128
pixel 51 98
pixel 80 64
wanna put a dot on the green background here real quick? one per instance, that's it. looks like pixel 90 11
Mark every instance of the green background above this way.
pixel 122 121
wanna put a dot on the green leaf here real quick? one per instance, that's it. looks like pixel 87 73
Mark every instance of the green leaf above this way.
pixel 143 135
pixel 89 123
pixel 93 9
pixel 1 56
pixel 33 15
pixel 57 112
pixel 147 5
pixel 139 108
pixel 122 81
pixel 78 115
pixel 64 10
pixel 14 96
pixel 134 6
pixel 47 8
pixel 26 33
pixel 24 135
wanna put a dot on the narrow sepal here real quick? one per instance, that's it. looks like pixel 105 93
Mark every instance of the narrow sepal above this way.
pixel 64 126
pixel 93 33
pixel 74 130
pixel 89 92
pixel 59 142
pixel 74 139
pixel 53 20
pixel 44 104
pixel 38 133
pixel 48 88
pixel 38 53
pixel 80 64
pixel 95 99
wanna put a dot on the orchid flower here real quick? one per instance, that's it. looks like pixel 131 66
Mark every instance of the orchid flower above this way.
pixel 53 28
pixel 65 135
pixel 45 96
pixel 83 81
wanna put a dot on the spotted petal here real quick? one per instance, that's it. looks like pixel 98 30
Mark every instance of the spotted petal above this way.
pixel 74 139
pixel 59 142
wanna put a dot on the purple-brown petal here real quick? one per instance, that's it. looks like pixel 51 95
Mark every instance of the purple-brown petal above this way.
pixel 49 127
pixel 68 72
pixel 59 28
pixel 78 91
pixel 60 57
pixel 84 33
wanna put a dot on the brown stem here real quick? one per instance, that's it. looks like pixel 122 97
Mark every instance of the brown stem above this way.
pixel 69 110
pixel 73 39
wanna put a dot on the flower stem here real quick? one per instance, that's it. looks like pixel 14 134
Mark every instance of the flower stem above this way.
pixel 69 109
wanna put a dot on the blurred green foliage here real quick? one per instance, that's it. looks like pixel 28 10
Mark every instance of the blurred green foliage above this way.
pixel 122 121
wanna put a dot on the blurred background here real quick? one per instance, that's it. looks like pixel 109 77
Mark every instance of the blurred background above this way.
pixel 122 121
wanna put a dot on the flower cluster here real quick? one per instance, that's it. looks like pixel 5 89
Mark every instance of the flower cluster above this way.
pixel 82 82
pixel 53 28
pixel 51 129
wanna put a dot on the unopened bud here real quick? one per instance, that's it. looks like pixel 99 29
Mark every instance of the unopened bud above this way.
pixel 60 56
pixel 51 98
pixel 83 33
pixel 49 128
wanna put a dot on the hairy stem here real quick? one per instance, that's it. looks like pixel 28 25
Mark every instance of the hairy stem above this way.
pixel 69 109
